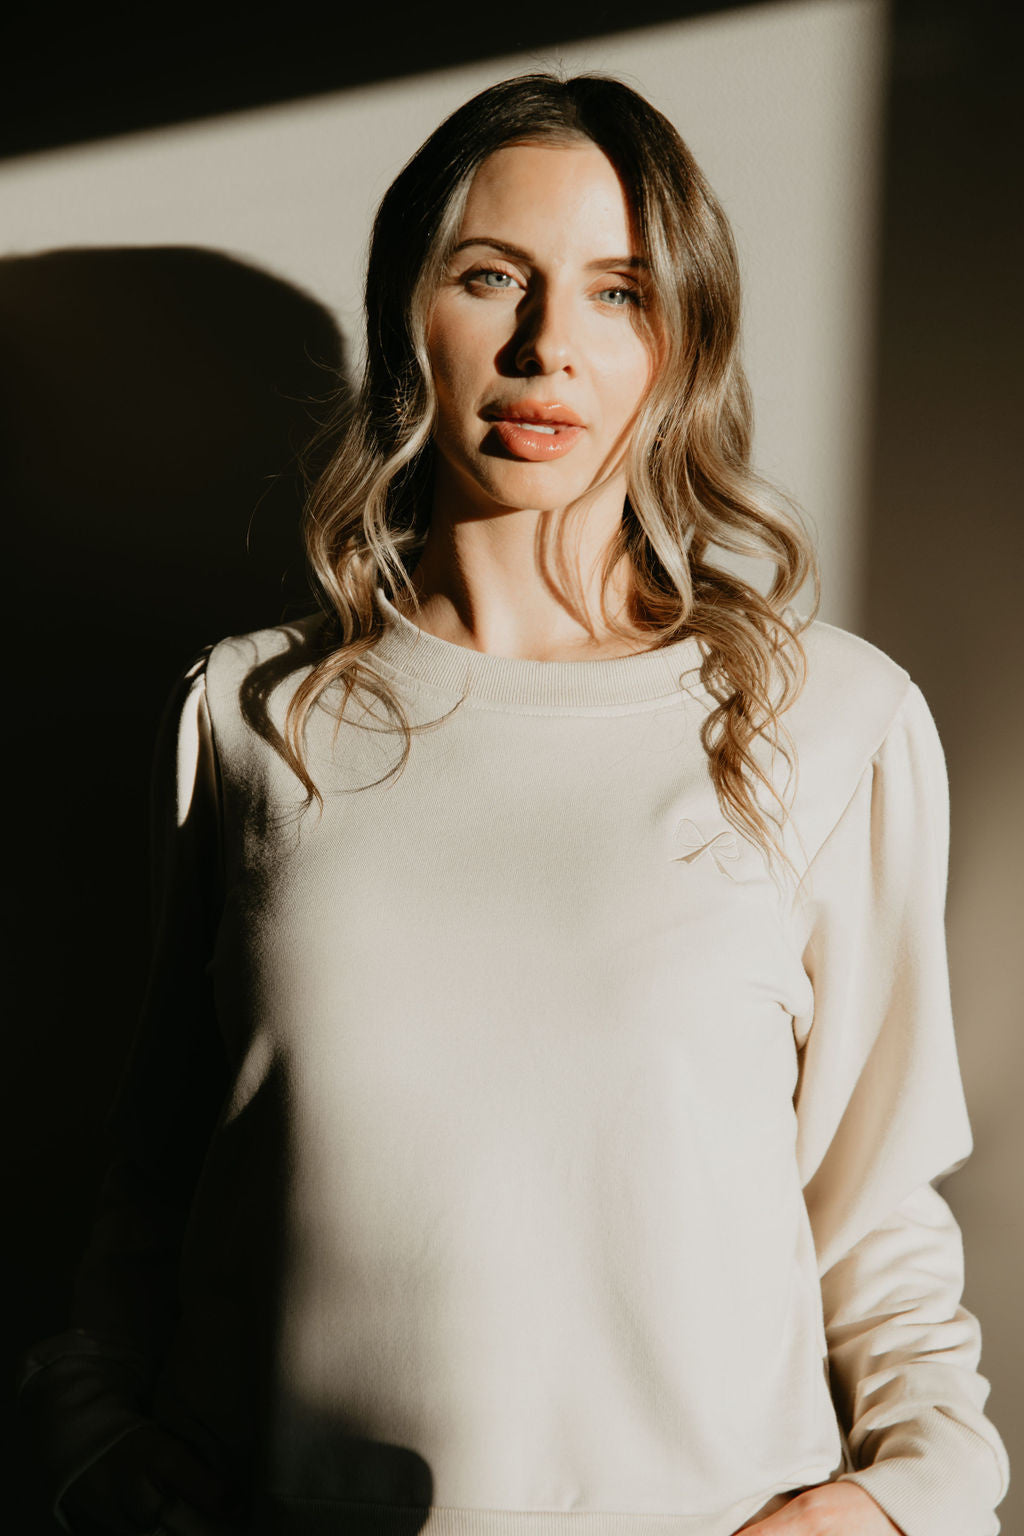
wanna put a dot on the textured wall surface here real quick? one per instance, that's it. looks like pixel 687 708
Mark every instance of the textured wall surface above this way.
pixel 173 300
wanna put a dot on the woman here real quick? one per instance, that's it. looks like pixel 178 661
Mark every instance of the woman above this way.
pixel 548 1059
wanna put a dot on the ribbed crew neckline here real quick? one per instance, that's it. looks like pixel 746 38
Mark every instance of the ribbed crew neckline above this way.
pixel 515 681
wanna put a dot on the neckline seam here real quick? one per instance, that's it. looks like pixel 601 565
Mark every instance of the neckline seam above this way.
pixel 637 681
pixel 472 700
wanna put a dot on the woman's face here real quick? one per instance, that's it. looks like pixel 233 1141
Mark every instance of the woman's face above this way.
pixel 534 326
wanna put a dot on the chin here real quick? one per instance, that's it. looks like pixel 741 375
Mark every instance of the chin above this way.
pixel 534 487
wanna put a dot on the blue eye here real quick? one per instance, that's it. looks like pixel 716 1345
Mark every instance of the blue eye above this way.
pixel 627 295
pixel 483 273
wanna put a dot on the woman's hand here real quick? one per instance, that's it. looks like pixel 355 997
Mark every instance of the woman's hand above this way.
pixel 147 1480
pixel 831 1509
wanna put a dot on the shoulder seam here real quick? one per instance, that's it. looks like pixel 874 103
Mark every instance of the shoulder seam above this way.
pixel 868 763
pixel 857 640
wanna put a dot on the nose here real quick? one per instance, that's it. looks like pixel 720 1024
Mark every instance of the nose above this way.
pixel 544 341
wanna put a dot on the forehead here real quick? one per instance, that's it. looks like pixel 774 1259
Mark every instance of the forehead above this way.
pixel 550 196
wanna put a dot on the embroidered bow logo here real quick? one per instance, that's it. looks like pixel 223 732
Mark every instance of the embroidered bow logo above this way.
pixel 722 849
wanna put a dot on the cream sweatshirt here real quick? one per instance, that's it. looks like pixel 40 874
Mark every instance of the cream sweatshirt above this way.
pixel 505 1152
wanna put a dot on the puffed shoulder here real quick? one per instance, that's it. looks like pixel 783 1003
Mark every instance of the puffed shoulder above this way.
pixel 233 659
pixel 850 678
pixel 246 675
pixel 852 697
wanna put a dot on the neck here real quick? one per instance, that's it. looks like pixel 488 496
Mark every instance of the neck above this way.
pixel 524 582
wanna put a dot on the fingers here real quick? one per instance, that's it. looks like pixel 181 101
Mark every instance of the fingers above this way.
pixel 114 1495
pixel 178 1471
pixel 780 1523
pixel 147 1480
pixel 177 1518
pixel 759 1522
pixel 829 1509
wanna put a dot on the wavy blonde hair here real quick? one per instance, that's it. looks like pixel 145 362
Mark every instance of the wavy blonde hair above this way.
pixel 691 488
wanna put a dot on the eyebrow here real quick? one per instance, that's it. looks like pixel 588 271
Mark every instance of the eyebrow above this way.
pixel 602 264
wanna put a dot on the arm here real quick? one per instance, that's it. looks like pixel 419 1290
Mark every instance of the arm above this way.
pixel 881 1119
pixel 87 1389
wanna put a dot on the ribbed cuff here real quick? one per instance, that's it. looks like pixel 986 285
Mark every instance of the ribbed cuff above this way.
pixel 948 1482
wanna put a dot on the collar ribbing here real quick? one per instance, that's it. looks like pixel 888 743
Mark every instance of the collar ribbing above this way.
pixel 512 680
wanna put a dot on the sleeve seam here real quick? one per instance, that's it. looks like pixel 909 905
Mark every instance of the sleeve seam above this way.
pixel 867 766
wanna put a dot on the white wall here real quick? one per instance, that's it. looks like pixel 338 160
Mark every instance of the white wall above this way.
pixel 781 104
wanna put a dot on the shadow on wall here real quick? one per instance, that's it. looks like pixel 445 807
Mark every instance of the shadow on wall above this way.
pixel 93 76
pixel 153 403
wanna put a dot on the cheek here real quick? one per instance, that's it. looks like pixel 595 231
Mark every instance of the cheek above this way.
pixel 442 355
pixel 461 354
pixel 459 371
pixel 624 377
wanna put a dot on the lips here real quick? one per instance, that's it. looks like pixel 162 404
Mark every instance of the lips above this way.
pixel 550 413
pixel 535 430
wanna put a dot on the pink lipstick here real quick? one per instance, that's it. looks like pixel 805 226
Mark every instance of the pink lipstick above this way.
pixel 536 430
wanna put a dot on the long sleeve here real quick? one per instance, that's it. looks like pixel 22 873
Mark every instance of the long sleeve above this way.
pixel 81 1390
pixel 881 1119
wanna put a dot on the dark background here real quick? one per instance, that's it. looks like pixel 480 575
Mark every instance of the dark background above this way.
pixel 152 407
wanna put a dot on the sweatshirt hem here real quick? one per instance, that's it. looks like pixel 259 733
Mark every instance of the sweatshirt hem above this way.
pixel 316 1516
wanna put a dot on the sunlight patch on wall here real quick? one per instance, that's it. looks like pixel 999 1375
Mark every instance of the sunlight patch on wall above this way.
pixel 781 104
